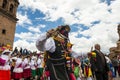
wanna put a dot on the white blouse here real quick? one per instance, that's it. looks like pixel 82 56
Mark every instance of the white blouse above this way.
pixel 43 43
pixel 18 69
pixel 26 63
pixel 39 63
pixel 6 66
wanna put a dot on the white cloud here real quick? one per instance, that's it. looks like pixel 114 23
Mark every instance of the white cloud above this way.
pixel 77 12
pixel 26 40
pixel 115 6
pixel 23 19
pixel 105 35
pixel 33 29
pixel 56 9
pixel 28 36
pixel 25 44
pixel 88 10
pixel 36 29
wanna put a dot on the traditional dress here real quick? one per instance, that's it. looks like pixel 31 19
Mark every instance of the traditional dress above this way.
pixel 33 66
pixel 39 67
pixel 18 70
pixel 13 63
pixel 87 69
pixel 56 48
pixel 77 69
pixel 4 66
pixel 26 68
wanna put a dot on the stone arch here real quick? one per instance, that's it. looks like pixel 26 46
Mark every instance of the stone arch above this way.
pixel 11 9
pixel 4 5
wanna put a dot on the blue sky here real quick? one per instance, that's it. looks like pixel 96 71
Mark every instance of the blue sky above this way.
pixel 91 22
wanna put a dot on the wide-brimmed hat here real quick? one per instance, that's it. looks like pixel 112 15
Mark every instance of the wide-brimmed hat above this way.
pixel 7 52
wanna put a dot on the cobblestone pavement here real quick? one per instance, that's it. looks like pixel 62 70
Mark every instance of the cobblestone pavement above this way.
pixel 118 78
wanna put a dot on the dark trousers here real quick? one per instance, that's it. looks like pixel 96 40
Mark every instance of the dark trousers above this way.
pixel 58 69
pixel 116 70
pixel 101 75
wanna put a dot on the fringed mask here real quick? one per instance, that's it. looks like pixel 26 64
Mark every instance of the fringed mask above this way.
pixel 64 30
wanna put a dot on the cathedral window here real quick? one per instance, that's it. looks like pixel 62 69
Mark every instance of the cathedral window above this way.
pixel 3 31
pixel 11 8
pixel 4 4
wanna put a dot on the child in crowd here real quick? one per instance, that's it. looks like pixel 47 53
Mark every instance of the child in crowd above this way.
pixel 39 66
pixel 33 65
pixel 18 70
pixel 77 69
pixel 12 64
pixel 87 69
pixel 26 68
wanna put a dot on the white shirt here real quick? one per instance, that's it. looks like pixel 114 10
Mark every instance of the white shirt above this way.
pixel 6 66
pixel 39 62
pixel 26 62
pixel 43 43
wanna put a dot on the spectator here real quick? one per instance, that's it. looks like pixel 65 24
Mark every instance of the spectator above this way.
pixel 115 64
pixel 99 64
pixel 21 50
pixel 25 51
pixel 15 50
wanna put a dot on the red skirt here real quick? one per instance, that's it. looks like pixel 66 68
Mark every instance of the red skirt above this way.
pixel 5 75
pixel 119 69
pixel 26 73
pixel 17 75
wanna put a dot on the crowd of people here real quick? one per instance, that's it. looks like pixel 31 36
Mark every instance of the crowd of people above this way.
pixel 55 61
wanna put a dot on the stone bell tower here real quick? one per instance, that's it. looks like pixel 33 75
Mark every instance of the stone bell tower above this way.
pixel 8 20
pixel 115 51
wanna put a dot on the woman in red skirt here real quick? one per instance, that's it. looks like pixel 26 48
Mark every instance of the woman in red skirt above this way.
pixel 4 65
pixel 26 68
pixel 18 70
pixel 12 65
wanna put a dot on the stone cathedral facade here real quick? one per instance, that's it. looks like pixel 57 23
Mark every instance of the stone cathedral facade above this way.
pixel 8 20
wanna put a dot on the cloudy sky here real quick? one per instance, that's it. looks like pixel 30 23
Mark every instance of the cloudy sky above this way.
pixel 91 22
